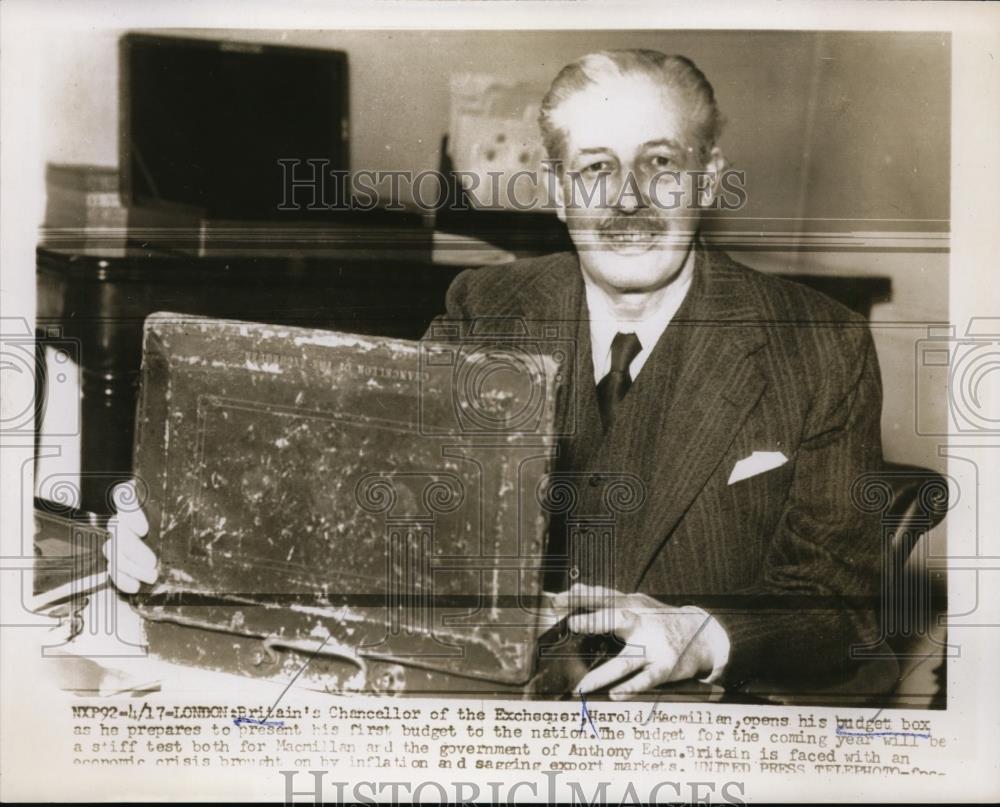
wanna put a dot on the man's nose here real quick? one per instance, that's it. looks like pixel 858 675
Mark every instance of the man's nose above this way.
pixel 628 194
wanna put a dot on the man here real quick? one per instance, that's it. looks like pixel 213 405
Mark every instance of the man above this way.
pixel 743 407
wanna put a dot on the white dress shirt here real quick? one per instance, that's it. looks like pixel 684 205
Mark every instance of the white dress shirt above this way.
pixel 604 324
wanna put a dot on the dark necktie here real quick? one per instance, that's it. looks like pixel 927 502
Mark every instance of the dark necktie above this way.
pixel 612 388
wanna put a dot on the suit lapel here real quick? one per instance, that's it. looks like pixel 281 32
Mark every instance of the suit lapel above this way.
pixel 700 388
pixel 583 427
pixel 683 411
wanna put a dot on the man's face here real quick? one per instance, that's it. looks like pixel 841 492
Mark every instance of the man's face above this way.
pixel 629 197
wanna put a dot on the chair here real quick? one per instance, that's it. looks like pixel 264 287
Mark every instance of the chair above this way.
pixel 911 501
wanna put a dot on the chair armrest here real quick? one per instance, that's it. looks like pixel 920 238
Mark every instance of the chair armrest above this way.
pixel 918 502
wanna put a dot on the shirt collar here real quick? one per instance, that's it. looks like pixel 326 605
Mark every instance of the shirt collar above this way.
pixel 604 324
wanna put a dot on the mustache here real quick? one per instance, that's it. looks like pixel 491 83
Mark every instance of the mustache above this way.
pixel 636 224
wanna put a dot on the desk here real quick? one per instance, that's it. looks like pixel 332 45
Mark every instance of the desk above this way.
pixel 94 663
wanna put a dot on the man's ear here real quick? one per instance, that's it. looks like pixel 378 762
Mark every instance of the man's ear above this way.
pixel 553 174
pixel 715 166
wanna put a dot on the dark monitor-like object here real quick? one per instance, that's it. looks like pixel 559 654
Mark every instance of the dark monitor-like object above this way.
pixel 204 123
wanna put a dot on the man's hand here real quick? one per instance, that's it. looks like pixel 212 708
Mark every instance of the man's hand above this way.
pixel 663 643
pixel 130 561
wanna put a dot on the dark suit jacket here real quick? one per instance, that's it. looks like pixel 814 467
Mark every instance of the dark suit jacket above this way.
pixel 784 560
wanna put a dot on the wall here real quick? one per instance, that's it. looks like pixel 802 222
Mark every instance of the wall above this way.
pixel 838 125
pixel 842 133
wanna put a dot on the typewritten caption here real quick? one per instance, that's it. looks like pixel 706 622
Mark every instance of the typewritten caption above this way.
pixel 599 738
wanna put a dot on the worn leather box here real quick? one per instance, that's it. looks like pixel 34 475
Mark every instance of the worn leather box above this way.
pixel 374 499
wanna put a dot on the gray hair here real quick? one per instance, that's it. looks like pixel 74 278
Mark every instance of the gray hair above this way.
pixel 677 73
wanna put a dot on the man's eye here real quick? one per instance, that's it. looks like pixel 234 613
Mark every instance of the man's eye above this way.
pixel 599 167
pixel 661 161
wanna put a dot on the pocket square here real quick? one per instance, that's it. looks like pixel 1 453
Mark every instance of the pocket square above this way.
pixel 756 463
